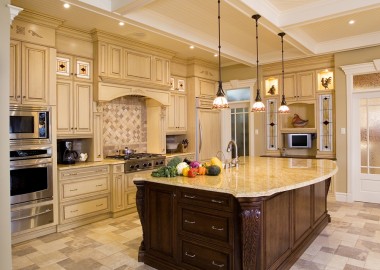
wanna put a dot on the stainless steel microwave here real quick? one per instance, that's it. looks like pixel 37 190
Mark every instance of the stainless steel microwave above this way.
pixel 29 123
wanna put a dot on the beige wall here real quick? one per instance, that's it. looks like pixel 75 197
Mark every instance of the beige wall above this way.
pixel 5 228
pixel 341 59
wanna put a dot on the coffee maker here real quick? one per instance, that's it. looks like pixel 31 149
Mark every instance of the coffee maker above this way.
pixel 66 154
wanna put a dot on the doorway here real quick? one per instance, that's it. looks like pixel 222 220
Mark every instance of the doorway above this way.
pixel 366 147
pixel 240 126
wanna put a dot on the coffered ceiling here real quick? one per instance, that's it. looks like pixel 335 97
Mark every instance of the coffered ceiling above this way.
pixel 312 27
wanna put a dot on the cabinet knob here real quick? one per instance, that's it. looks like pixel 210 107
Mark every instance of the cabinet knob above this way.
pixel 18 96
pixel 23 96
pixel 99 155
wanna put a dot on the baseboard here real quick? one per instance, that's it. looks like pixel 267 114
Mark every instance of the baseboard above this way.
pixel 343 197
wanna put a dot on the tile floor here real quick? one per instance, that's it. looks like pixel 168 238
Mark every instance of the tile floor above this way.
pixel 350 242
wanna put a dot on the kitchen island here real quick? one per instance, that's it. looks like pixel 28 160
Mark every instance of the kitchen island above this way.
pixel 260 215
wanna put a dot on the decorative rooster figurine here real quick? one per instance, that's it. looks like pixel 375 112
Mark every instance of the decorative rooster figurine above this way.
pixel 325 82
pixel 298 122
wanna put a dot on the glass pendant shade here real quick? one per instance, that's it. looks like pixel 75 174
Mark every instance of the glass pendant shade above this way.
pixel 220 101
pixel 283 108
pixel 258 106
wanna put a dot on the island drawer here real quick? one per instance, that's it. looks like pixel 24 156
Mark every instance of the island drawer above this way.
pixel 202 257
pixel 208 225
pixel 213 200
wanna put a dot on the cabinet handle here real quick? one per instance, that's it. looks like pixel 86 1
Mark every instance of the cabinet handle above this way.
pixel 216 201
pixel 216 264
pixel 190 197
pixel 190 222
pixel 216 228
pixel 18 96
pixel 75 189
pixel 99 185
pixel 189 255
pixel 72 174
pixel 99 205
pixel 73 211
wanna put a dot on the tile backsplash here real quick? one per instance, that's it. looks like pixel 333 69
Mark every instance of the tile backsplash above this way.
pixel 124 124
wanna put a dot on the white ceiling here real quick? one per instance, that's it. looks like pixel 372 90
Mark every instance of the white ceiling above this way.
pixel 312 27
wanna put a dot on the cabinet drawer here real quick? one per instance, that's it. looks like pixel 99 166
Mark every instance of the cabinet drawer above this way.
pixel 73 189
pixel 207 225
pixel 203 257
pixel 86 208
pixel 212 200
pixel 118 168
pixel 83 172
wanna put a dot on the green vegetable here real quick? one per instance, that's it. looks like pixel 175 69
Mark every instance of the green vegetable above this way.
pixel 174 162
pixel 213 170
pixel 165 171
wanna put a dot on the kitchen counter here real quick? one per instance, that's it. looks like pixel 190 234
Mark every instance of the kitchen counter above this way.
pixel 259 176
pixel 79 164
pixel 261 215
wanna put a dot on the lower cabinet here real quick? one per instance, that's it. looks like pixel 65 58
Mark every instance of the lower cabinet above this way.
pixel 84 195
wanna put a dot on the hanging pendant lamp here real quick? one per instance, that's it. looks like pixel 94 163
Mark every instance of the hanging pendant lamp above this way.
pixel 284 107
pixel 258 106
pixel 220 101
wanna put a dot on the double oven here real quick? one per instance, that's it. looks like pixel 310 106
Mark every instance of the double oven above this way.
pixel 31 167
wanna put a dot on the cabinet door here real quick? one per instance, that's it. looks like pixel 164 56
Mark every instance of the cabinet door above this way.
pixel 161 214
pixel 207 88
pixel 83 108
pixel 137 66
pixel 101 63
pixel 305 85
pixel 181 108
pixel 161 70
pixel 15 72
pixel 170 114
pixel 115 59
pixel 290 87
pixel 98 137
pixel 64 107
pixel 210 134
pixel 117 192
pixel 35 71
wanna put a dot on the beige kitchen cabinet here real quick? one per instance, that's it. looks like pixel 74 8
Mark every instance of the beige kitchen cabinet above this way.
pixel 118 188
pixel 29 73
pixel 96 153
pixel 137 65
pixel 69 67
pixel 178 84
pixel 84 195
pixel 115 61
pixel 299 86
pixel 74 109
pixel 130 192
pixel 161 71
pixel 205 88
pixel 176 115
pixel 210 130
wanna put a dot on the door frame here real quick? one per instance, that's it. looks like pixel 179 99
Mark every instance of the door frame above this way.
pixel 350 71
pixel 226 114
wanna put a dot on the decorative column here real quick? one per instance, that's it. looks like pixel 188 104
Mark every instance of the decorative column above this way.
pixel 140 205
pixel 251 232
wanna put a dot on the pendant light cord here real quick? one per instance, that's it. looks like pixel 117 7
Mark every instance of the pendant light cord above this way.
pixel 258 95
pixel 220 89
pixel 282 34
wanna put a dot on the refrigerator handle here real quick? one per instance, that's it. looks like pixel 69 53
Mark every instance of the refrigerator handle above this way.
pixel 200 137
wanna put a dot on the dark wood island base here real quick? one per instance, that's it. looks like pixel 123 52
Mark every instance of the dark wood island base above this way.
pixel 190 228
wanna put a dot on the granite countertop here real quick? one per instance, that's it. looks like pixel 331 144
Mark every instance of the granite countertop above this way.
pixel 107 161
pixel 258 176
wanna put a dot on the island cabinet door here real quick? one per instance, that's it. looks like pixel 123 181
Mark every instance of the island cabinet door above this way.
pixel 160 236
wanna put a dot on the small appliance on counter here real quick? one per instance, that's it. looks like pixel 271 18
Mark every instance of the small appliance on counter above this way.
pixel 66 154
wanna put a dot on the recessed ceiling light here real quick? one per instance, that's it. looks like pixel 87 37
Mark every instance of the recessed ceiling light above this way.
pixel 121 23
pixel 66 5
pixel 351 21
pixel 215 55
pixel 191 47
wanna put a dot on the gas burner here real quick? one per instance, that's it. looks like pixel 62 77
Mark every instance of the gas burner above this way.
pixel 140 161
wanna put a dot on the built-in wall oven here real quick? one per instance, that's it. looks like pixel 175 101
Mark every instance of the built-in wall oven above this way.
pixel 31 184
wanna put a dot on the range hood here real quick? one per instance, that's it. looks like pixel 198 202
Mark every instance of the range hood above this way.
pixel 110 88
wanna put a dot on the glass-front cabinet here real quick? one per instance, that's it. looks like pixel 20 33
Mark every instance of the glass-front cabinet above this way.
pixel 271 125
pixel 326 126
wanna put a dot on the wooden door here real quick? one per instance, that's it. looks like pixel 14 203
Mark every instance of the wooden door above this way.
pixel 289 86
pixel 305 85
pixel 83 108
pixel 15 72
pixel 65 108
pixel 171 114
pixel 35 73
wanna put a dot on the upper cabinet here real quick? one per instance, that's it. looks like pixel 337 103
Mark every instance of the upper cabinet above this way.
pixel 120 61
pixel 73 68
pixel 299 86
pixel 176 115
pixel 29 73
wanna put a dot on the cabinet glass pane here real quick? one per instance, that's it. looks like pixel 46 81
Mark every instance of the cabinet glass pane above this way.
pixel 271 124
pixel 325 123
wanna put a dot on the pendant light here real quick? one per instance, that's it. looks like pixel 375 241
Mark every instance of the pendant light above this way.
pixel 258 106
pixel 283 108
pixel 220 101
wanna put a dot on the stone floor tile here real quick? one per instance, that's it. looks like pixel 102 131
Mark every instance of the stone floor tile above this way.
pixel 350 252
